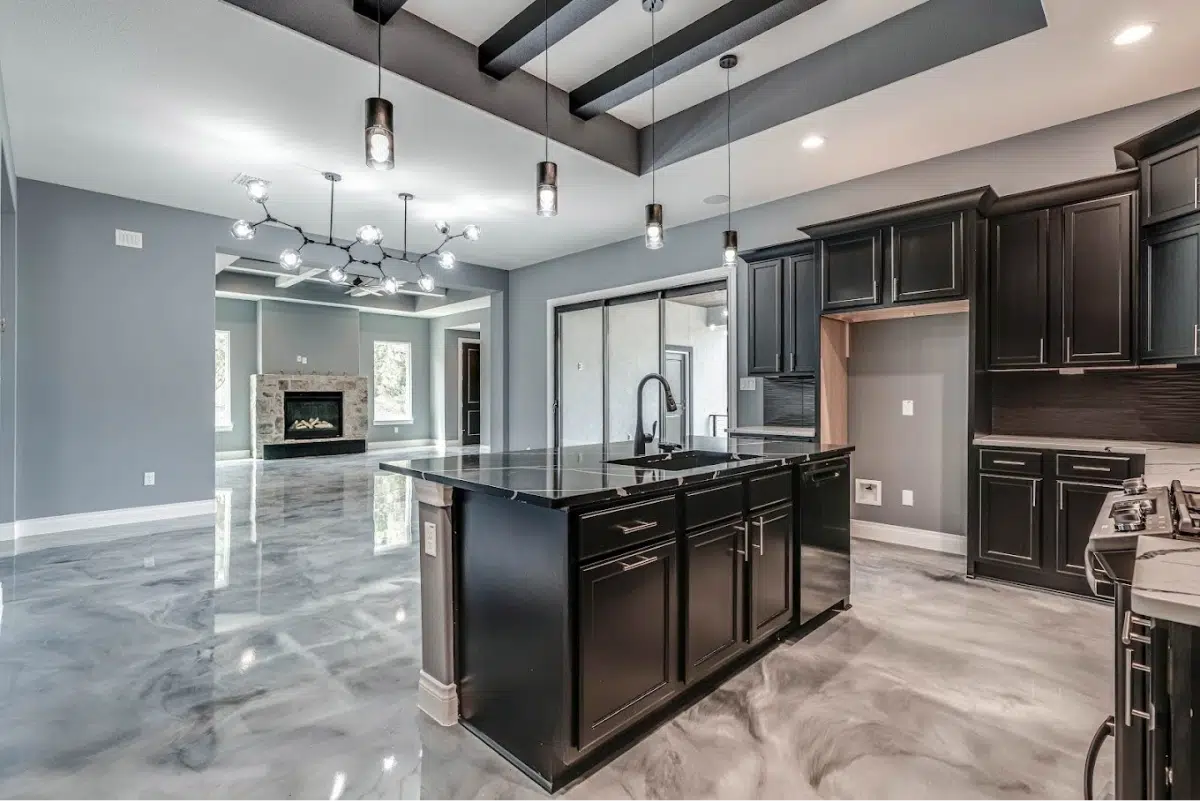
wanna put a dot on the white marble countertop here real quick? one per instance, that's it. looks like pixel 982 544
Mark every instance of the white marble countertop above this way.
pixel 772 431
pixel 1166 575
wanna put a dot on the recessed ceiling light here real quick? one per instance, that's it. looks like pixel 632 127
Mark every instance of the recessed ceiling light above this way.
pixel 812 142
pixel 717 200
pixel 1134 33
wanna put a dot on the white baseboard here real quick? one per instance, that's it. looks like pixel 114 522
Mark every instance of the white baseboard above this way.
pixel 226 456
pixel 7 532
pixel 912 537
pixel 397 444
pixel 439 701
pixel 110 517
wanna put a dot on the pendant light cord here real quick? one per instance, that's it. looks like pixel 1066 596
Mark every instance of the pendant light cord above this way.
pixel 406 227
pixel 332 184
pixel 653 116
pixel 728 153
pixel 546 56
pixel 379 46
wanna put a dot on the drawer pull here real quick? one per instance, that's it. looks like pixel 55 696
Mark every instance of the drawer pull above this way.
pixel 635 526
pixel 761 522
pixel 1090 468
pixel 1130 710
pixel 645 560
pixel 1012 462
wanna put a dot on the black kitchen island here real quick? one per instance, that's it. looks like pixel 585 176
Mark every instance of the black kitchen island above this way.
pixel 594 594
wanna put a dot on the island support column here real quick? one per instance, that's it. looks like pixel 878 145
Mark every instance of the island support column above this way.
pixel 437 690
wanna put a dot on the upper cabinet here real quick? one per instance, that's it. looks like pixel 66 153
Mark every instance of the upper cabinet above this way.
pixel 851 268
pixel 1018 282
pixel 927 259
pixel 765 280
pixel 1097 280
pixel 801 325
pixel 1171 183
pixel 1170 293
pixel 782 311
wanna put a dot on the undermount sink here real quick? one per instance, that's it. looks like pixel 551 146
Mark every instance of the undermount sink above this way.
pixel 680 460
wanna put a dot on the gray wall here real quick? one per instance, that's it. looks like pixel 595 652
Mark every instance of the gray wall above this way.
pixel 1064 153
pixel 240 319
pixel 8 340
pixel 451 412
pixel 389 328
pixel 925 360
pixel 326 336
pixel 444 371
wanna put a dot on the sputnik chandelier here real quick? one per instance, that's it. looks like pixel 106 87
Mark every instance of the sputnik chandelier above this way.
pixel 367 236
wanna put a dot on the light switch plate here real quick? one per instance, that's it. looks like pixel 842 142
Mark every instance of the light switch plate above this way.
pixel 906 497
pixel 906 408
pixel 148 479
pixel 748 384
pixel 430 539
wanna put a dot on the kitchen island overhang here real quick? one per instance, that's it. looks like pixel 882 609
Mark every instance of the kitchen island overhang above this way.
pixel 570 605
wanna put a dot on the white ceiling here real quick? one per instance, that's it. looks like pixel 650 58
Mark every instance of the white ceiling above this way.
pixel 167 101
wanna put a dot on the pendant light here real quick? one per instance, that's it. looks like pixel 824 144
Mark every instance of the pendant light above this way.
pixel 729 243
pixel 547 171
pixel 380 137
pixel 654 211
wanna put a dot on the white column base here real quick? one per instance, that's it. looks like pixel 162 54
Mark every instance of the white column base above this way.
pixel 438 701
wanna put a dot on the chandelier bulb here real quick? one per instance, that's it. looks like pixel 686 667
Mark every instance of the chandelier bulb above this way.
pixel 369 235
pixel 442 227
pixel 390 285
pixel 257 190
pixel 337 275
pixel 446 260
pixel 290 259
pixel 426 283
pixel 242 230
pixel 471 232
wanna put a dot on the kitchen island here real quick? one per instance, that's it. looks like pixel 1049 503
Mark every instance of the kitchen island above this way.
pixel 584 595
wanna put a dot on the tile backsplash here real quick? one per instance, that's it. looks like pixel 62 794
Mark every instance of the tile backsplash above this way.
pixel 789 401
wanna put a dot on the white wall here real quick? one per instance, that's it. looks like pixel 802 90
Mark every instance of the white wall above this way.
pixel 685 324
pixel 633 351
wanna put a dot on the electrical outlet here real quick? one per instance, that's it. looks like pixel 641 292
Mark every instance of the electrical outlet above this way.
pixel 148 479
pixel 906 408
pixel 299 358
pixel 868 491
pixel 304 359
pixel 430 538
pixel 129 239
pixel 906 497
pixel 748 384
pixel 395 429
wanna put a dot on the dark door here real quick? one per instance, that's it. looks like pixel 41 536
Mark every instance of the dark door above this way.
pixel 801 315
pixel 1171 295
pixel 628 638
pixel 1078 504
pixel 927 259
pixel 851 269
pixel 469 391
pixel 1010 521
pixel 766 316
pixel 1017 303
pixel 1098 242
pixel 715 567
pixel 770 541
pixel 1171 183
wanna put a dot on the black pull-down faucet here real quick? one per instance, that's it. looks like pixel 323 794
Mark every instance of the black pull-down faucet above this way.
pixel 639 436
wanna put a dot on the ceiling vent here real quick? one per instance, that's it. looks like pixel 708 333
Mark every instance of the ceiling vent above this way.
pixel 241 179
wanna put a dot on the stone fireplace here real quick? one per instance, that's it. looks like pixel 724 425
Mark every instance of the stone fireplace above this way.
pixel 308 415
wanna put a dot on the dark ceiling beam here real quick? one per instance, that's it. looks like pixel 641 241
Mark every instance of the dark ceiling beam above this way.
pixel 385 9
pixel 929 35
pixel 522 39
pixel 706 39
pixel 425 54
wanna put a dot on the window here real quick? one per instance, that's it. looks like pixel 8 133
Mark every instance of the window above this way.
pixel 224 382
pixel 393 512
pixel 393 382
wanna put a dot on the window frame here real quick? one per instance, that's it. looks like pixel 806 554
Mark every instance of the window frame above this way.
pixel 224 425
pixel 407 347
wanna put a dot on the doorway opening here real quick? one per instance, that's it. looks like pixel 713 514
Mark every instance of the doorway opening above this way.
pixel 470 412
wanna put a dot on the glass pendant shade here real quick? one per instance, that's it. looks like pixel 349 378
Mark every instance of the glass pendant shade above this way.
pixel 369 235
pixel 730 249
pixel 547 189
pixel 471 232
pixel 426 283
pixel 390 285
pixel 242 229
pixel 654 226
pixel 442 227
pixel 257 190
pixel 380 139
pixel 337 275
pixel 290 259
pixel 446 260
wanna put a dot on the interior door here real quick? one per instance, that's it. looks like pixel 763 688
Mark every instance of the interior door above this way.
pixel 677 367
pixel 471 415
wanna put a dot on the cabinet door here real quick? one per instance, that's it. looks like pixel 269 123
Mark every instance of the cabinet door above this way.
pixel 1010 520
pixel 801 315
pixel 766 316
pixel 770 540
pixel 1171 295
pixel 1097 302
pixel 628 638
pixel 1078 504
pixel 1171 183
pixel 927 259
pixel 1017 301
pixel 851 268
pixel 715 566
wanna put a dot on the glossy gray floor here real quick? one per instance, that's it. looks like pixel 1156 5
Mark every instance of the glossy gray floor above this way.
pixel 277 656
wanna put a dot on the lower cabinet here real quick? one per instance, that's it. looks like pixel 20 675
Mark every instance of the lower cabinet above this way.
pixel 715 591
pixel 628 638
pixel 1010 526
pixel 770 553
pixel 1078 504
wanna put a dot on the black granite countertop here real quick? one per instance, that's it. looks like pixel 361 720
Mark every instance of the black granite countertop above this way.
pixel 583 474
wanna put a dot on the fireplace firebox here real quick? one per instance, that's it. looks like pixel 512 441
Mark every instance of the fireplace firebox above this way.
pixel 312 415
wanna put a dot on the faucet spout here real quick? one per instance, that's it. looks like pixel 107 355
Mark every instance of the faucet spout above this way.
pixel 640 438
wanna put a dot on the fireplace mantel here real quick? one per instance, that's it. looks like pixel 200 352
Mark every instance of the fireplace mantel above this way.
pixel 266 412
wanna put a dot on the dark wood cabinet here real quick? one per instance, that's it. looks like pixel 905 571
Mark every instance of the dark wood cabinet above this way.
pixel 851 270
pixel 1078 504
pixel 628 638
pixel 801 315
pixel 1010 522
pixel 770 552
pixel 765 308
pixel 1171 296
pixel 1097 285
pixel 1018 285
pixel 1171 183
pixel 715 592
pixel 927 258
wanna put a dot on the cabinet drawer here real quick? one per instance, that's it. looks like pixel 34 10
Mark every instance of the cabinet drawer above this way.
pixel 607 530
pixel 1092 467
pixel 769 489
pixel 1027 463
pixel 704 506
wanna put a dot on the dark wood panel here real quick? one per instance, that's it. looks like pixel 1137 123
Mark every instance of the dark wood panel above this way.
pixel 1098 281
pixel 708 505
pixel 927 259
pixel 1017 291
pixel 765 309
pixel 770 550
pixel 1078 504
pixel 1136 404
pixel 851 268
pixel 618 528
pixel 1010 520
pixel 715 560
pixel 802 328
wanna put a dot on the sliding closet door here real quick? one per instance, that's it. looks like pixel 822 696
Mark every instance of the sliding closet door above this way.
pixel 581 376
pixel 634 349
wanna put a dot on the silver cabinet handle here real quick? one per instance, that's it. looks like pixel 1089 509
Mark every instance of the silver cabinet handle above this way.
pixel 1060 496
pixel 1041 350
pixel 874 290
pixel 1195 333
pixel 1033 485
pixel 777 362
pixel 1089 468
pixel 1128 635
pixel 645 560
pixel 760 522
pixel 895 289
pixel 1012 462
pixel 1130 711
pixel 635 526
pixel 792 360
pixel 1068 353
